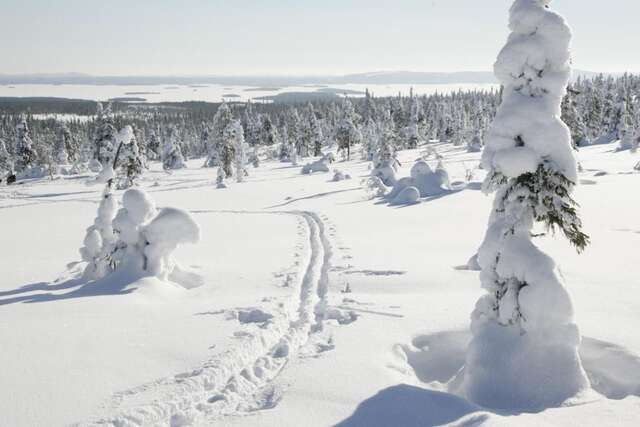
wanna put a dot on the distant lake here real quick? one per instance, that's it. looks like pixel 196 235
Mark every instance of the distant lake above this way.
pixel 216 93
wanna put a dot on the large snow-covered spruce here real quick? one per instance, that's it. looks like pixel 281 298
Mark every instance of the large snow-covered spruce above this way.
pixel 524 351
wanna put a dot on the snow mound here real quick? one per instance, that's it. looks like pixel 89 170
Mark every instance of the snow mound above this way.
pixel 105 175
pixel 386 173
pixel 424 179
pixel 253 315
pixel 340 176
pixel 317 166
pixel 407 196
pixel 374 187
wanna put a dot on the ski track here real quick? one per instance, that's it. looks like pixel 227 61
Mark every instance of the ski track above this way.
pixel 241 378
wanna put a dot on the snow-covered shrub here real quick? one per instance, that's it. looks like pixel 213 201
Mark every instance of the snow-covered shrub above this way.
pixel 137 239
pixel 221 177
pixel 374 187
pixel 317 166
pixel 524 350
pixel 407 196
pixel 338 175
pixel 162 235
pixel 424 179
pixel 475 146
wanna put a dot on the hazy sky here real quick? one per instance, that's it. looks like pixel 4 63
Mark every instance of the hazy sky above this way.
pixel 206 37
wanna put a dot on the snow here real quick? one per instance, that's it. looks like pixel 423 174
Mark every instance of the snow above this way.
pixel 315 166
pixel 424 180
pixel 73 353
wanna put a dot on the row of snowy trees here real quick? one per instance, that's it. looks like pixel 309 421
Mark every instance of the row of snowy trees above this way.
pixel 598 110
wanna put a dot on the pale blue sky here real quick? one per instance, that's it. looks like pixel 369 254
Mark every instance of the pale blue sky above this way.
pixel 206 37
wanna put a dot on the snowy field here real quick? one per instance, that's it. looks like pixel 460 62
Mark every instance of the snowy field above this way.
pixel 216 92
pixel 242 341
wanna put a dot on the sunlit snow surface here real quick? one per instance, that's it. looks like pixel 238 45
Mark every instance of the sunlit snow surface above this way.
pixel 208 348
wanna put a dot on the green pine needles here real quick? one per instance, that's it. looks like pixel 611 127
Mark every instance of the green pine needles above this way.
pixel 546 194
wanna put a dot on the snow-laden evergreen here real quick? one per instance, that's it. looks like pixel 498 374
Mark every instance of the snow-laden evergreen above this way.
pixel 136 239
pixel 172 157
pixel 240 151
pixel 524 351
pixel 130 160
pixel 26 155
pixel 216 141
pixel 6 164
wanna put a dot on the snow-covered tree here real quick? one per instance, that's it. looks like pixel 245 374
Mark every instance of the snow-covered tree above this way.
pixel 347 134
pixel 370 139
pixel 573 120
pixel 105 131
pixel 412 131
pixel 130 161
pixel 227 149
pixel 220 178
pixel 25 154
pixel 171 152
pixel 137 238
pixel 240 150
pixel 385 162
pixel 268 135
pixel 524 350
pixel 60 147
pixel 221 122
pixel 6 165
pixel 153 145
pixel 100 239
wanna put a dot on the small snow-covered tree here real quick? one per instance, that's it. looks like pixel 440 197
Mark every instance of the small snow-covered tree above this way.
pixel 104 138
pixel 573 120
pixel 6 165
pixel 25 154
pixel 100 239
pixel 385 162
pixel 153 145
pixel 412 131
pixel 227 149
pixel 137 238
pixel 171 152
pixel 347 134
pixel 129 161
pixel 268 135
pixel 220 178
pixel 370 140
pixel 524 350
pixel 240 150
pixel 221 122
pixel 60 147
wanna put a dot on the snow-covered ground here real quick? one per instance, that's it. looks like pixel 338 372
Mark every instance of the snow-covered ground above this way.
pixel 263 332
